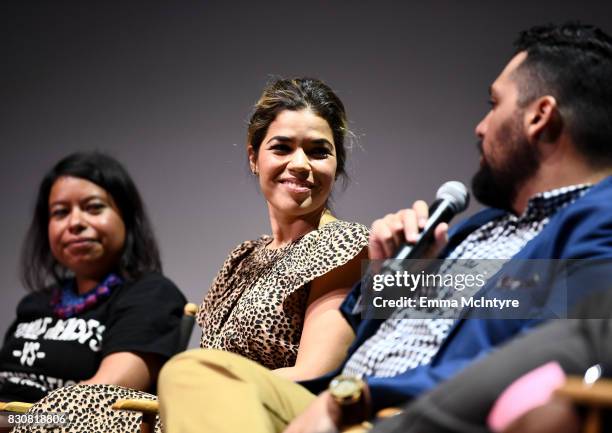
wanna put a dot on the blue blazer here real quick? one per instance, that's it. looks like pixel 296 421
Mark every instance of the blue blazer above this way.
pixel 582 230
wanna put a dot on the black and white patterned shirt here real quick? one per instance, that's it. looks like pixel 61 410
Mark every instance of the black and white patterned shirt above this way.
pixel 403 343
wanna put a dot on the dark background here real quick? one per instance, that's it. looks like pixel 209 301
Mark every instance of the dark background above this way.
pixel 167 87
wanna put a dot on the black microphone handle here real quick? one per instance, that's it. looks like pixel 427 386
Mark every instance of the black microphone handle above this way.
pixel 442 212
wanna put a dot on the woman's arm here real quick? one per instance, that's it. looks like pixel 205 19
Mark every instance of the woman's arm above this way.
pixel 326 335
pixel 142 331
pixel 132 370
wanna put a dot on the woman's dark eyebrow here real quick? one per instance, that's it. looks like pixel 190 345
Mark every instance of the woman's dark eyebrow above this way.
pixel 83 200
pixel 279 138
pixel 319 141
pixel 323 141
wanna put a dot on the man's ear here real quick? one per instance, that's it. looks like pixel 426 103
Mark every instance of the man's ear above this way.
pixel 542 120
pixel 252 158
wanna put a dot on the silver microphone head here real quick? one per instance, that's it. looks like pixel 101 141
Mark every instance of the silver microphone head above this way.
pixel 456 193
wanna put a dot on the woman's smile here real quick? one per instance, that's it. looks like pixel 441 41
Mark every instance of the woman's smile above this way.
pixel 297 186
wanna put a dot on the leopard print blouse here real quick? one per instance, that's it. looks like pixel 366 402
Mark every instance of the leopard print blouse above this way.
pixel 256 304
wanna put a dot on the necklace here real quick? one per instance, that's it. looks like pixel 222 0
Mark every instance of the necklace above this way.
pixel 66 302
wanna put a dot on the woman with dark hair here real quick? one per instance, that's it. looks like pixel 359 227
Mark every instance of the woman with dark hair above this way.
pixel 100 311
pixel 276 299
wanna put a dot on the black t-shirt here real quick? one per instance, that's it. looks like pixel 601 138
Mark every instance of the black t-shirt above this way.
pixel 42 352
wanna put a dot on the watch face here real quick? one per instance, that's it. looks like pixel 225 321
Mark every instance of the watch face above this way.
pixel 345 386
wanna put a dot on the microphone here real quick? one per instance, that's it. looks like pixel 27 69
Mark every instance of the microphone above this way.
pixel 452 198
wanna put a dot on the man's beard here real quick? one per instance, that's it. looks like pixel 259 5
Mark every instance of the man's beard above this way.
pixel 498 186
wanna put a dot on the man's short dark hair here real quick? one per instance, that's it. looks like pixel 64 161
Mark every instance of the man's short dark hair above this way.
pixel 572 63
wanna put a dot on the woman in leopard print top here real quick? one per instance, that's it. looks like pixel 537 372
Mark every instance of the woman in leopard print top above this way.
pixel 276 298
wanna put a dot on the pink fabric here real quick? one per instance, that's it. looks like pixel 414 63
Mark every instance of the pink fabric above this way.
pixel 525 393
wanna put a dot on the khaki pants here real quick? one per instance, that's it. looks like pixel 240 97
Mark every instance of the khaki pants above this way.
pixel 207 390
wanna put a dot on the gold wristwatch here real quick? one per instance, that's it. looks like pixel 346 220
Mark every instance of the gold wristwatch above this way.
pixel 348 392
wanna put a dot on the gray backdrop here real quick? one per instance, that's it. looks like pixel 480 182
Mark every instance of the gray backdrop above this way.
pixel 167 87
